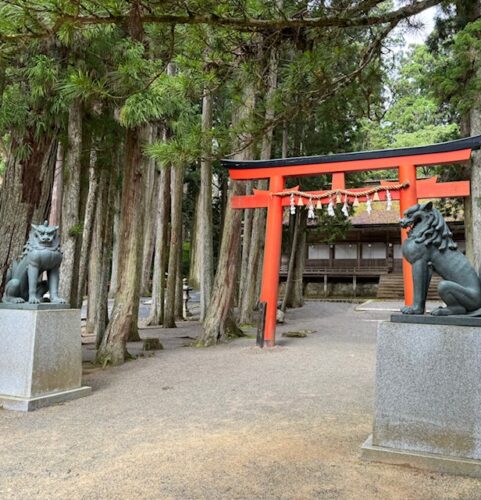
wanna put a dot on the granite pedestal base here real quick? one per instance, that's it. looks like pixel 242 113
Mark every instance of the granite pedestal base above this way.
pixel 428 398
pixel 40 358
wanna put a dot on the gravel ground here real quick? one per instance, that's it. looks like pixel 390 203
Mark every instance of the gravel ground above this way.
pixel 232 422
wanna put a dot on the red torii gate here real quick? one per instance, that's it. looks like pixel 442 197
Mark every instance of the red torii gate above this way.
pixel 404 159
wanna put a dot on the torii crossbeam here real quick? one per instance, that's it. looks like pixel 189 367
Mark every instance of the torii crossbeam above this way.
pixel 404 159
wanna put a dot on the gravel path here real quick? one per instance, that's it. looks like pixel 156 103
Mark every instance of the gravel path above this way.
pixel 231 422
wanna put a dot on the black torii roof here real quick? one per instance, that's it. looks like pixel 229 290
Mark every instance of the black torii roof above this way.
pixel 442 147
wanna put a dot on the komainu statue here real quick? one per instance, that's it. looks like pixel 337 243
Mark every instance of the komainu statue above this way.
pixel 430 247
pixel 41 253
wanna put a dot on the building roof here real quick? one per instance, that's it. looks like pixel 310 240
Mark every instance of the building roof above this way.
pixel 381 216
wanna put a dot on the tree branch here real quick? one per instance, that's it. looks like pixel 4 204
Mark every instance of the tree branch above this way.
pixel 353 17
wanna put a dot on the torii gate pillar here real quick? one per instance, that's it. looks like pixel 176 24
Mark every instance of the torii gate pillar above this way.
pixel 407 198
pixel 272 259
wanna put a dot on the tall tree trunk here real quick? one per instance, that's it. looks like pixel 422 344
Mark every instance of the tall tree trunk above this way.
pixel 122 322
pixel 195 263
pixel 107 237
pixel 249 297
pixel 25 194
pixel 467 11
pixel 149 218
pixel 156 315
pixel 294 296
pixel 116 246
pixel 71 204
pixel 248 215
pixel 56 204
pixel 179 285
pixel 294 222
pixel 89 219
pixel 101 249
pixel 219 322
pixel 205 234
pixel 475 198
pixel 95 255
pixel 285 140
pixel 224 196
pixel 177 184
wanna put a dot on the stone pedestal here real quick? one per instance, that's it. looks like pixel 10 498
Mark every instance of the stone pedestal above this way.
pixel 428 397
pixel 40 357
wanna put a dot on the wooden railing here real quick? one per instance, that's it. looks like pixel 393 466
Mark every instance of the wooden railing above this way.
pixel 347 267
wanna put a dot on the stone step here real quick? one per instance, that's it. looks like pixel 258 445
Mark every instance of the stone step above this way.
pixel 391 286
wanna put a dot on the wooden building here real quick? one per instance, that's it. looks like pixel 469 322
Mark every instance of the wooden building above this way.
pixel 368 262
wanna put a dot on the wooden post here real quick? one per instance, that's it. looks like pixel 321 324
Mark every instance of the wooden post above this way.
pixel 407 198
pixel 272 260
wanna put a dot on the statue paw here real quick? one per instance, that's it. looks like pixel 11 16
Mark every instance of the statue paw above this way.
pixel 17 300
pixel 411 310
pixel 441 311
pixel 33 300
pixel 58 300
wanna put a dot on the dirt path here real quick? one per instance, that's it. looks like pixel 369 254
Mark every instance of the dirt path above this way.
pixel 225 422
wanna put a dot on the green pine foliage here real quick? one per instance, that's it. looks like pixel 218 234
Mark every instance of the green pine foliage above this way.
pixel 413 115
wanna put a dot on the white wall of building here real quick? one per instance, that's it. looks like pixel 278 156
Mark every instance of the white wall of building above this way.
pixel 373 250
pixel 320 251
pixel 345 251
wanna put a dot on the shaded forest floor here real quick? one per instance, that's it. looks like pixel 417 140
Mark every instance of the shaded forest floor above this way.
pixel 228 422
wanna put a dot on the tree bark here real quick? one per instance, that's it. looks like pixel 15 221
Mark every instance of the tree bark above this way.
pixel 475 198
pixel 156 315
pixel 248 299
pixel 94 273
pixel 89 219
pixel 122 322
pixel 95 255
pixel 149 218
pixel 107 234
pixel 294 296
pixel 115 243
pixel 205 234
pixel 70 227
pixel 56 204
pixel 25 194
pixel 99 263
pixel 108 192
pixel 294 220
pixel 177 184
pixel 467 11
pixel 219 322
pixel 195 263
pixel 248 215
pixel 179 285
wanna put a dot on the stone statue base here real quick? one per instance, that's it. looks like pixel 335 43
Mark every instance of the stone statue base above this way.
pixel 43 306
pixel 428 398
pixel 40 357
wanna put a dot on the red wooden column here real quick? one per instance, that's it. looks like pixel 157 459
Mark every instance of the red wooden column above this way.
pixel 272 259
pixel 338 180
pixel 407 198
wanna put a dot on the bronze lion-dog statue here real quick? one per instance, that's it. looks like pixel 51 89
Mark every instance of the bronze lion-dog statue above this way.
pixel 430 247
pixel 41 253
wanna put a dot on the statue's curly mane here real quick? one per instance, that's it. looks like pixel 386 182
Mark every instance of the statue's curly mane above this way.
pixel 437 233
pixel 33 243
